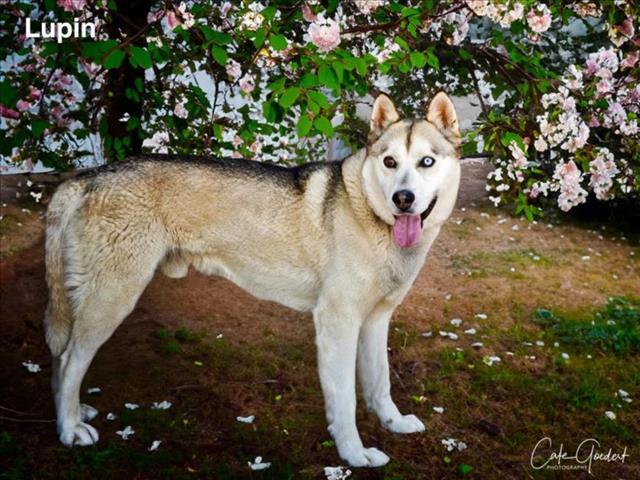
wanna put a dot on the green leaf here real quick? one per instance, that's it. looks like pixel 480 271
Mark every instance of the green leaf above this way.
pixel 308 80
pixel 38 126
pixel 214 36
pixel 464 55
pixel 323 125
pixel 304 126
pixel 95 50
pixel 8 94
pixel 402 42
pixel 258 39
pixel 219 55
pixel 508 137
pixel 133 123
pixel 114 59
pixel 339 69
pixel 276 85
pixel 278 42
pixel 361 65
pixel 289 97
pixel 418 59
pixel 141 57
pixel 314 107
pixel 328 77
pixel 465 469
pixel 319 98
pixel 432 60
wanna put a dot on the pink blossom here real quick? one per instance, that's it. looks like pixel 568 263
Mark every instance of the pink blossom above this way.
pixel 603 87
pixel 224 9
pixel 180 111
pixel 569 177
pixel 233 70
pixel 72 5
pixel 594 122
pixel 247 84
pixel 325 35
pixel 237 141
pixel 154 16
pixel 630 60
pixel 603 169
pixel 58 115
pixel 8 112
pixel 90 68
pixel 368 6
pixel 172 19
pixel 34 93
pixel 307 13
pixel 23 105
pixel 539 19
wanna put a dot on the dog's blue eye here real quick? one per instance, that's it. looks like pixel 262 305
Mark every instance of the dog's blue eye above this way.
pixel 427 162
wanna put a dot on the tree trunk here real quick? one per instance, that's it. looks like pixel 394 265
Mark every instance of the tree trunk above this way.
pixel 128 20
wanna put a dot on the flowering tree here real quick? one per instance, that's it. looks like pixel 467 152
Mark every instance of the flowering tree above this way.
pixel 557 83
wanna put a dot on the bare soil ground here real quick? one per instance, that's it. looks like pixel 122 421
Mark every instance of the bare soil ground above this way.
pixel 215 353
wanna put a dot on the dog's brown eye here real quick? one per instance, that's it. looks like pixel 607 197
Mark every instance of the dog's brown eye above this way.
pixel 389 162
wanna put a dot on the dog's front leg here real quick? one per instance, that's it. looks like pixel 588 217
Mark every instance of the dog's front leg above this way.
pixel 337 341
pixel 373 369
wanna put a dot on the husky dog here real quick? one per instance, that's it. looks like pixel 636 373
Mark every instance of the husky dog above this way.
pixel 344 240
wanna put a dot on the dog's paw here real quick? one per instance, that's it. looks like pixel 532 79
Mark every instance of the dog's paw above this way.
pixel 81 434
pixel 87 412
pixel 405 424
pixel 366 457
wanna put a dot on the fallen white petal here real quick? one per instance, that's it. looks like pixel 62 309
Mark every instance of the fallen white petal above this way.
pixel 258 464
pixel 610 415
pixel 477 344
pixel 336 473
pixel 111 416
pixel 154 446
pixel 163 405
pixel 131 406
pixel 490 360
pixel 470 331
pixel 126 433
pixel 31 367
pixel 623 393
pixel 456 322
pixel 481 316
pixel 424 334
pixel 438 409
pixel 93 390
pixel 248 419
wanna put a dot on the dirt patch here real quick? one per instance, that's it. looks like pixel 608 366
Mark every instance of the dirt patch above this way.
pixel 215 352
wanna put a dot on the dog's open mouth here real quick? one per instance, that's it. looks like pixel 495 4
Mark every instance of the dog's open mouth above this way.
pixel 407 229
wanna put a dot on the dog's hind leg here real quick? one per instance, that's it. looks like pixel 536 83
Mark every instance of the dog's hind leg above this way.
pixel 337 341
pixel 373 369
pixel 97 316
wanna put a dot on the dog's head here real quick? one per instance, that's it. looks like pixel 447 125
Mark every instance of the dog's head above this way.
pixel 412 170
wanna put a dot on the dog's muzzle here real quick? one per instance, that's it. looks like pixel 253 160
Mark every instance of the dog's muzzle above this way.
pixel 428 211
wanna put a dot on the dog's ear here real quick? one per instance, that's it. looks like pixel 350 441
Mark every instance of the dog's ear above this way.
pixel 383 115
pixel 442 114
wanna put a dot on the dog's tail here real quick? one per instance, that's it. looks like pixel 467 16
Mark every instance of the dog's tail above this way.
pixel 58 317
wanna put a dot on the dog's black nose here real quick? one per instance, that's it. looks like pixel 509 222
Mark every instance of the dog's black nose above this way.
pixel 403 199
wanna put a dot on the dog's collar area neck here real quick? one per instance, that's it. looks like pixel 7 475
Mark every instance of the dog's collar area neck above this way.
pixel 429 209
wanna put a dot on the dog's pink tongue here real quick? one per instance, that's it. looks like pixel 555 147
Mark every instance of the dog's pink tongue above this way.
pixel 407 230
